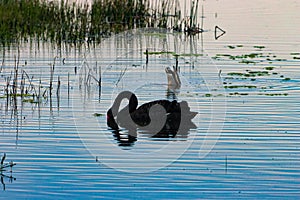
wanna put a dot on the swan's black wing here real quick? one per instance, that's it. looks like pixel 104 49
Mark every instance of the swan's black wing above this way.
pixel 170 106
pixel 141 115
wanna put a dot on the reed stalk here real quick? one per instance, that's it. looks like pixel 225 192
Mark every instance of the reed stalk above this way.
pixel 52 68
pixel 68 85
pixel 63 22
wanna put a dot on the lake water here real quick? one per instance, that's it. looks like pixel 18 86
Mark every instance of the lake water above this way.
pixel 244 86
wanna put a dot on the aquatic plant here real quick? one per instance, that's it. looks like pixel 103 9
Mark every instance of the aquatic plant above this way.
pixel 62 22
pixel 5 165
pixel 259 47
pixel 235 88
pixel 269 68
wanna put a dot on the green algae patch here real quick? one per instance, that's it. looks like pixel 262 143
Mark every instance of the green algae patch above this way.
pixel 259 47
pixel 160 52
pixel 247 62
pixel 191 54
pixel 98 114
pixel 238 94
pixel 235 74
pixel 249 73
pixel 239 86
pixel 259 73
pixel 269 68
pixel 274 94
pixel 231 47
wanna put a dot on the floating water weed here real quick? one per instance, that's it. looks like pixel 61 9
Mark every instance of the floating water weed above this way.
pixel 239 86
pixel 98 115
pixel 231 47
pixel 286 79
pixel 259 47
pixel 269 68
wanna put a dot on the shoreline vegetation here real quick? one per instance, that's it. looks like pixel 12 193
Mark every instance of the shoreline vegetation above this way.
pixel 71 23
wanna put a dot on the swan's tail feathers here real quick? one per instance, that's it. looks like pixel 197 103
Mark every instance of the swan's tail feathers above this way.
pixel 193 114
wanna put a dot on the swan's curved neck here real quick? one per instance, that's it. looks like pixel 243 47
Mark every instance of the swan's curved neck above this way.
pixel 133 102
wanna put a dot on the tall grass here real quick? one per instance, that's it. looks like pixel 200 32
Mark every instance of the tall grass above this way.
pixel 38 19
pixel 108 16
pixel 62 22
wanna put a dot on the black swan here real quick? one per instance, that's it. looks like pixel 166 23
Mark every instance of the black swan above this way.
pixel 160 118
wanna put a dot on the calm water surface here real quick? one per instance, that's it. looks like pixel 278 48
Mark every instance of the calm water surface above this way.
pixel 246 144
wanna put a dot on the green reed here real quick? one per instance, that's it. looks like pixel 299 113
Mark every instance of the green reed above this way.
pixel 63 22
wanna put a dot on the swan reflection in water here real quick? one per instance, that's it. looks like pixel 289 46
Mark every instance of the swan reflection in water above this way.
pixel 156 119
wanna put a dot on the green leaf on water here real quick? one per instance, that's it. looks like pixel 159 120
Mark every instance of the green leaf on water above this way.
pixel 190 54
pixel 286 79
pixel 159 52
pixel 259 47
pixel 247 62
pixel 235 74
pixel 98 114
pixel 269 68
pixel 239 86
